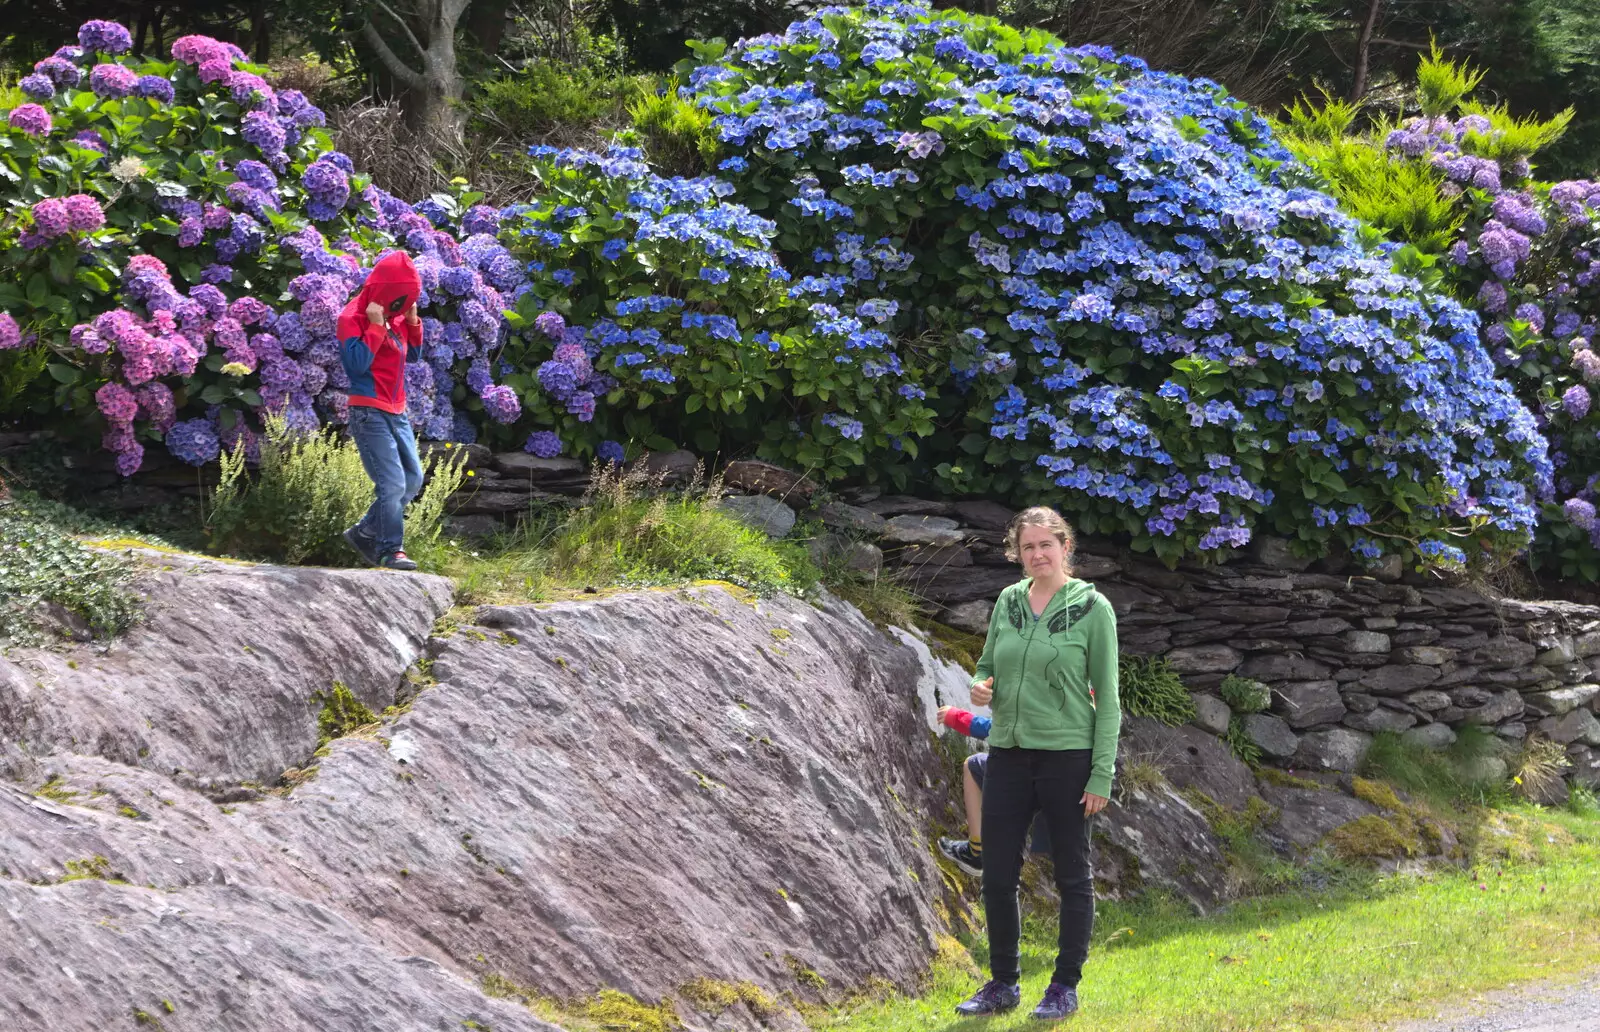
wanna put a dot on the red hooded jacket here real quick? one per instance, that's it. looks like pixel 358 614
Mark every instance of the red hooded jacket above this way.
pixel 375 357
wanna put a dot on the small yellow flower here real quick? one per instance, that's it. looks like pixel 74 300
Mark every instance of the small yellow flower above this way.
pixel 236 369
pixel 470 473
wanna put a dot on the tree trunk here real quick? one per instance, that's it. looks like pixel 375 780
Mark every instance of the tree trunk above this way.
pixel 486 24
pixel 1358 89
pixel 261 29
pixel 433 89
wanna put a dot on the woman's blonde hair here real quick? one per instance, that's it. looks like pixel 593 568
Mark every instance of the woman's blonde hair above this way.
pixel 1040 516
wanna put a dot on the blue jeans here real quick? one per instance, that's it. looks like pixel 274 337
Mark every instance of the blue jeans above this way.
pixel 389 452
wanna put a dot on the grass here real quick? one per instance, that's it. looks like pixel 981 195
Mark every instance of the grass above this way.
pixel 628 533
pixel 1440 776
pixel 1370 950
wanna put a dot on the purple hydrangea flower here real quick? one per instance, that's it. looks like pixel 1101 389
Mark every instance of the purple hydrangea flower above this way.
pixel 581 404
pixel 10 333
pixel 155 87
pixel 60 71
pixel 264 131
pixel 116 402
pixel 51 218
pixel 1576 401
pixel 1587 363
pixel 84 213
pixel 112 80
pixel 611 451
pixel 481 218
pixel 544 444
pixel 31 119
pixel 501 403
pixel 91 139
pixel 108 37
pixel 1580 513
pixel 38 86
pixel 550 324
pixel 558 378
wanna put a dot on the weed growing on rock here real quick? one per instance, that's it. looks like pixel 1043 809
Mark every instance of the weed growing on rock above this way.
pixel 1244 695
pixel 630 531
pixel 1582 802
pixel 1149 687
pixel 1239 742
pixel 1447 776
pixel 713 997
pixel 1540 768
pixel 341 714
pixel 615 1010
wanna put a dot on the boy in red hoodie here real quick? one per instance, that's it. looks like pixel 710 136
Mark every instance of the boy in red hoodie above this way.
pixel 378 331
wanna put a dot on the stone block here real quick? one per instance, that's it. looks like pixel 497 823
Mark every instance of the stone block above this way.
pixel 1367 642
pixel 924 530
pixel 1425 655
pixel 850 518
pixel 972 617
pixel 1271 734
pixel 1308 703
pixel 1204 659
pixel 1340 749
pixel 1563 700
pixel 761 512
pixel 1397 679
pixel 1430 736
pixel 1279 668
pixel 1211 713
pixel 759 477
pixel 1380 719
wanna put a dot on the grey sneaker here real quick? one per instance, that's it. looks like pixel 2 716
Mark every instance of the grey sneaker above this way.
pixel 1059 1002
pixel 993 998
pixel 960 853
pixel 397 561
pixel 353 538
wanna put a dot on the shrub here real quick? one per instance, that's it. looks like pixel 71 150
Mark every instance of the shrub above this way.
pixel 1149 687
pixel 1456 185
pixel 1244 695
pixel 676 133
pixel 548 96
pixel 341 713
pixel 180 253
pixel 307 488
pixel 1540 768
pixel 1012 284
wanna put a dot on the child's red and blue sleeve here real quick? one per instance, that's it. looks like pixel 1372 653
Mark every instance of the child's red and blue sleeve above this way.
pixel 412 335
pixel 969 724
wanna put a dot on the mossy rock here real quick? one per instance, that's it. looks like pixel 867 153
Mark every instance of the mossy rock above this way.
pixel 1376 837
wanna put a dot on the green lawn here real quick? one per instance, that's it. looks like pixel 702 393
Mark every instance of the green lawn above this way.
pixel 1344 959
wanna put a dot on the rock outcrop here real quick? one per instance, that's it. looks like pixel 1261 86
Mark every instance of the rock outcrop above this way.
pixel 632 792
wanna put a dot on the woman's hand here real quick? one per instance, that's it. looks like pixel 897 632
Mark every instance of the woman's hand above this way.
pixel 1093 804
pixel 375 313
pixel 983 692
pixel 412 318
pixel 942 711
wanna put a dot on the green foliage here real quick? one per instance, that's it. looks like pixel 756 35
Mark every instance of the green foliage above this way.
pixel 1239 742
pixel 676 133
pixel 1442 84
pixel 1404 199
pixel 307 489
pixel 40 564
pixel 341 713
pixel 1582 802
pixel 546 97
pixel 1446 775
pixel 1149 687
pixel 630 532
pixel 445 469
pixel 1510 137
pixel 21 371
pixel 1244 695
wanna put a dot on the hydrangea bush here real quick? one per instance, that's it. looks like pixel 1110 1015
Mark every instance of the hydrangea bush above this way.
pixel 1524 252
pixel 1128 313
pixel 937 250
pixel 181 237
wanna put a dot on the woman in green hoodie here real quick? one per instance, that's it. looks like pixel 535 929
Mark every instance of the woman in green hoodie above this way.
pixel 1049 674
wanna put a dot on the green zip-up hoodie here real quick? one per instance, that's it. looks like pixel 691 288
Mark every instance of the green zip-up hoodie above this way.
pixel 1055 677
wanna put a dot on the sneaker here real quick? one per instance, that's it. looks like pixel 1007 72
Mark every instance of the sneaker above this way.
pixel 397 561
pixel 960 853
pixel 993 998
pixel 1059 1002
pixel 352 537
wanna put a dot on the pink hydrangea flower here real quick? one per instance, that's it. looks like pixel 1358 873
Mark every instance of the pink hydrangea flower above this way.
pixel 31 119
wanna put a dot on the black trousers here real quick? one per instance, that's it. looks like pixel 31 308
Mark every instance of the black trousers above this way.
pixel 1050 782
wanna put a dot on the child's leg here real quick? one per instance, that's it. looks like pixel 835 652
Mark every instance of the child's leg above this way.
pixel 972 796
